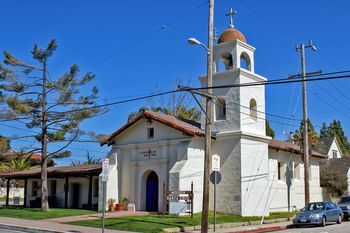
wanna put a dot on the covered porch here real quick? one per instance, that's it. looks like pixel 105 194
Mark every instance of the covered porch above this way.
pixel 73 187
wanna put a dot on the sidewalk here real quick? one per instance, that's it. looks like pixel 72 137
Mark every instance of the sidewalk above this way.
pixel 44 226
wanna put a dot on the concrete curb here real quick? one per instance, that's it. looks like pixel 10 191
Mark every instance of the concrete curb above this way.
pixel 261 229
pixel 233 225
pixel 27 229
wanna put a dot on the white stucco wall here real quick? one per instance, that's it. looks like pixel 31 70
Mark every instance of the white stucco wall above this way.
pixel 278 196
pixel 134 164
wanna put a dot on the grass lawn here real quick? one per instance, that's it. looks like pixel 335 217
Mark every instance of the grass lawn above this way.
pixel 36 214
pixel 156 223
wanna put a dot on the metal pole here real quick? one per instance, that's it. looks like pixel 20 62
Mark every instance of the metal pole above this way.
pixel 305 132
pixel 207 154
pixel 103 206
pixel 215 180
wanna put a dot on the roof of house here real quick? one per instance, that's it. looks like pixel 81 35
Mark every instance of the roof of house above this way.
pixel 324 145
pixel 9 155
pixel 186 126
pixel 341 164
pixel 56 171
pixel 293 148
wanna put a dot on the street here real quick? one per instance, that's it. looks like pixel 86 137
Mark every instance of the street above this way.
pixel 10 231
pixel 330 228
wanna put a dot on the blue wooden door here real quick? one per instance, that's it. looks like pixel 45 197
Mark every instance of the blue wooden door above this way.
pixel 152 192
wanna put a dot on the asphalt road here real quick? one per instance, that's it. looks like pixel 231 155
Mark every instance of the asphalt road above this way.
pixel 9 231
pixel 330 228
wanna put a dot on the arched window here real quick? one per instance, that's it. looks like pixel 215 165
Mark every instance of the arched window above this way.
pixel 245 61
pixel 220 109
pixel 253 109
pixel 225 62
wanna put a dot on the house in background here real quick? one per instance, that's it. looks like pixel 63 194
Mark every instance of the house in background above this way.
pixel 330 147
pixel 68 187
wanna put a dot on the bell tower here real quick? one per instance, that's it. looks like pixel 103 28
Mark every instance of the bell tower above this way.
pixel 236 108
pixel 239 125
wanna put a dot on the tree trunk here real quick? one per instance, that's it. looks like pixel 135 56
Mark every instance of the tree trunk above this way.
pixel 44 191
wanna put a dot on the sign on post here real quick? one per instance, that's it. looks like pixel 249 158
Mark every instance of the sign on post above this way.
pixel 105 164
pixel 104 178
pixel 215 163
pixel 215 178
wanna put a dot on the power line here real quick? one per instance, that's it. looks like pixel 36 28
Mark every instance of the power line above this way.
pixel 258 83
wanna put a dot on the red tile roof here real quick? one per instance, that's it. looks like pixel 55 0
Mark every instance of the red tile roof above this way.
pixel 12 154
pixel 56 171
pixel 290 147
pixel 168 120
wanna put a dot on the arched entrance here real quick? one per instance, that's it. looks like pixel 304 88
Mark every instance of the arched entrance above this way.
pixel 152 187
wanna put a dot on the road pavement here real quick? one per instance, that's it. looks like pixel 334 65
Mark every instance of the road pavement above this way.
pixel 330 228
pixel 9 231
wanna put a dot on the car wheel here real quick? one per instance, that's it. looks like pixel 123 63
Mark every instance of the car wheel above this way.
pixel 339 219
pixel 323 224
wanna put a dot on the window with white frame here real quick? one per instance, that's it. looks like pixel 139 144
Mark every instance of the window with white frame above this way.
pixel 335 154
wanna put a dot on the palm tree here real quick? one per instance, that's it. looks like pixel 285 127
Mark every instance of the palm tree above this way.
pixel 89 160
pixel 20 163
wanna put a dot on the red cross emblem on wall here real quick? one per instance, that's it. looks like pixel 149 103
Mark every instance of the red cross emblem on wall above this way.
pixel 149 153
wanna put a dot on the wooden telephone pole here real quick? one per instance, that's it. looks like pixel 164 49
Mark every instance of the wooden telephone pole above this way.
pixel 301 48
pixel 207 153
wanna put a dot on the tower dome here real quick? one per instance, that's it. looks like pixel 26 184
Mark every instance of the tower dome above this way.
pixel 231 34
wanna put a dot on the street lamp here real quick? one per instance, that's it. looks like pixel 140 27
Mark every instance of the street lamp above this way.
pixel 208 120
pixel 194 41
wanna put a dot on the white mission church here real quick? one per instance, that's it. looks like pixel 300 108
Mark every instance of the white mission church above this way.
pixel 259 174
pixel 154 152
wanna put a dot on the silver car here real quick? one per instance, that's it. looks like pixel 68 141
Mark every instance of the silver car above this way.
pixel 318 213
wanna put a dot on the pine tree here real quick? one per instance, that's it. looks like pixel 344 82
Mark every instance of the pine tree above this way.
pixel 335 129
pixel 298 138
pixel 324 133
pixel 53 106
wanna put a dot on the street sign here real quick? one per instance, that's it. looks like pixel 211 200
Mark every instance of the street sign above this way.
pixel 218 177
pixel 104 176
pixel 215 163
pixel 105 164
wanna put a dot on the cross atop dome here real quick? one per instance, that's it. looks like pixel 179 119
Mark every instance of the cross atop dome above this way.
pixel 230 14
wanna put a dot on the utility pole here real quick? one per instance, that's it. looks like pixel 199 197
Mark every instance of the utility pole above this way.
pixel 207 153
pixel 301 48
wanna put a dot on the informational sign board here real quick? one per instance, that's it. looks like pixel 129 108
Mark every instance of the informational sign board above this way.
pixel 104 176
pixel 105 164
pixel 215 163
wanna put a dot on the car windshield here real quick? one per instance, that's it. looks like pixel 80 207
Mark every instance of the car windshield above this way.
pixel 344 199
pixel 315 206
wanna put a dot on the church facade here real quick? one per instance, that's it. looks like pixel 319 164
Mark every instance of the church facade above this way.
pixel 259 174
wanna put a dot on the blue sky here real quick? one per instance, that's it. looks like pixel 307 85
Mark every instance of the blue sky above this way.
pixel 123 44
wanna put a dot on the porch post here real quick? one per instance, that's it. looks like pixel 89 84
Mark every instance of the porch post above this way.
pixel 90 193
pixel 66 187
pixel 25 192
pixel 8 191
